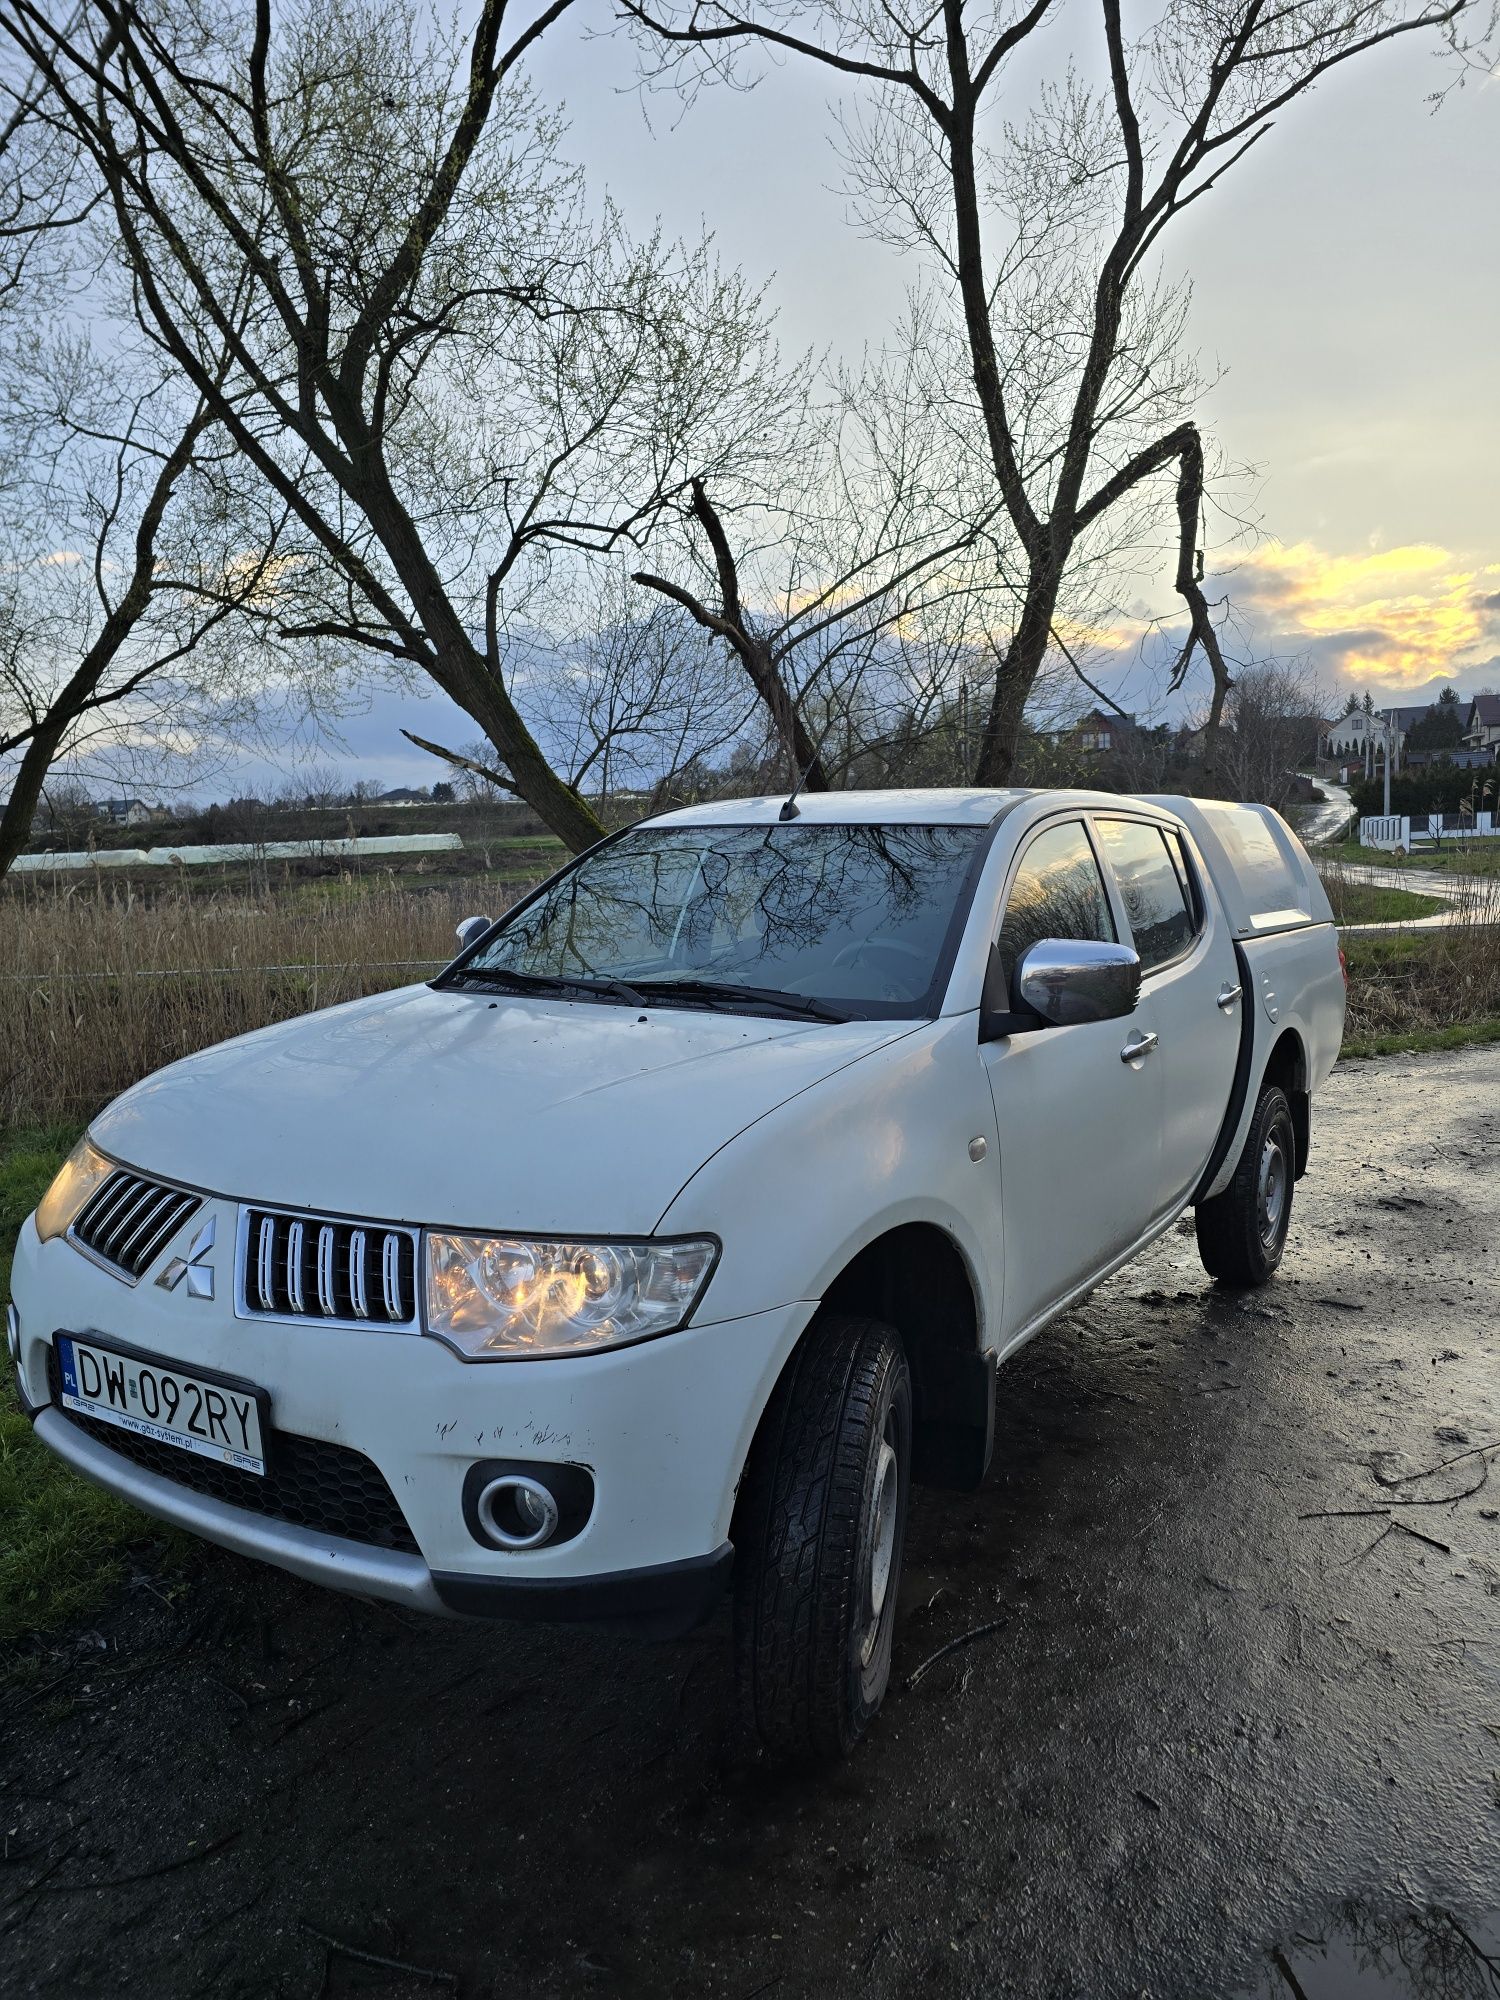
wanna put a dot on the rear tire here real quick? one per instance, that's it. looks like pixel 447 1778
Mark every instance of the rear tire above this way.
pixel 1242 1232
pixel 819 1542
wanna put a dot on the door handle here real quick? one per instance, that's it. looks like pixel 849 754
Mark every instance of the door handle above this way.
pixel 1137 1049
pixel 1228 996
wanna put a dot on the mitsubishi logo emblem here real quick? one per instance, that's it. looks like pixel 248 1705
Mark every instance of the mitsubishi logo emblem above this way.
pixel 200 1276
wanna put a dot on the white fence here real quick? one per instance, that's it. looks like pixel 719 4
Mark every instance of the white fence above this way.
pixel 262 850
pixel 1400 830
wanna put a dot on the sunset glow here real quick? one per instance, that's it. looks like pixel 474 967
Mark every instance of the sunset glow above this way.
pixel 1401 615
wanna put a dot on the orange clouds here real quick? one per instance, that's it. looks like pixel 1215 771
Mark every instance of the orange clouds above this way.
pixel 1396 615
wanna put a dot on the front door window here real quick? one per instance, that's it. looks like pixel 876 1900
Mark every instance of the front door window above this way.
pixel 1058 892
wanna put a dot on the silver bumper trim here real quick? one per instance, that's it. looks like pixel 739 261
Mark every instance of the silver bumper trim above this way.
pixel 325 1559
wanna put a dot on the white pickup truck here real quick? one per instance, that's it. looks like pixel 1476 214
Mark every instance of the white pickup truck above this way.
pixel 661 1242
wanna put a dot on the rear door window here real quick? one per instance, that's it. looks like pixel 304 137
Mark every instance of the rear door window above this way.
pixel 1157 900
pixel 1057 892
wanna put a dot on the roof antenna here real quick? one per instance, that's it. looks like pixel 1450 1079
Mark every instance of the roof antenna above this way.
pixel 789 808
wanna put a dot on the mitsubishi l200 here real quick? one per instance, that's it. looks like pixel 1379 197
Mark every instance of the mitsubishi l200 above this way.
pixel 659 1244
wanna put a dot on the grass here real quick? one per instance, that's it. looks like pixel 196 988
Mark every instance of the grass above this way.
pixel 1456 857
pixel 64 1542
pixel 508 858
pixel 1362 903
pixel 1417 1040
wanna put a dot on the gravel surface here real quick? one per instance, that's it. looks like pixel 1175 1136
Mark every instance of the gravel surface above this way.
pixel 1200 1695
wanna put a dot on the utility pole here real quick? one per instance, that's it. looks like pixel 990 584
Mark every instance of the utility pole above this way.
pixel 1387 720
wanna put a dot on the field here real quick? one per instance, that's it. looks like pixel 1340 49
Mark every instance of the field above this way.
pixel 1415 989
pixel 102 982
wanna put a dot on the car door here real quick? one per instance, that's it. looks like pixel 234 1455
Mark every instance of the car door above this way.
pixel 1078 1110
pixel 1191 982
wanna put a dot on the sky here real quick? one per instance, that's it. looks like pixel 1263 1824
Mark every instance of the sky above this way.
pixel 1346 281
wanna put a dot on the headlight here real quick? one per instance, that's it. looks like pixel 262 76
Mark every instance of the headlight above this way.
pixel 80 1173
pixel 493 1296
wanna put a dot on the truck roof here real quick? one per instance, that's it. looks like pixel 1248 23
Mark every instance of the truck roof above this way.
pixel 948 805
pixel 1259 867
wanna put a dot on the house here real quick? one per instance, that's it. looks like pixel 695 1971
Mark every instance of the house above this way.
pixel 1097 734
pixel 1358 734
pixel 403 795
pixel 1405 720
pixel 1482 725
pixel 128 812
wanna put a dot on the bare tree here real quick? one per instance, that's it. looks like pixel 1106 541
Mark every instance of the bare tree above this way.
pixel 1273 724
pixel 444 364
pixel 126 560
pixel 1045 232
pixel 838 586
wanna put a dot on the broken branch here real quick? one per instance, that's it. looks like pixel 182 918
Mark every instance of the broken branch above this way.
pixel 953 1646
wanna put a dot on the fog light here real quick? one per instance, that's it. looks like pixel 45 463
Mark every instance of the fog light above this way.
pixel 519 1503
pixel 517 1512
pixel 13 1337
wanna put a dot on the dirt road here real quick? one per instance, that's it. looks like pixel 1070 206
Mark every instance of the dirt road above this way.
pixel 1233 1588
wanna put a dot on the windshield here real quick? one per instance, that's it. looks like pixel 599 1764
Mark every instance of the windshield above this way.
pixel 832 921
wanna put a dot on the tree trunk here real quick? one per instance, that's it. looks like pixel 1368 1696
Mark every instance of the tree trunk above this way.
pixel 463 672
pixel 19 815
pixel 802 753
pixel 1016 676
pixel 562 810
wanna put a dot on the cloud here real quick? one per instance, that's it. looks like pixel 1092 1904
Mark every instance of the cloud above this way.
pixel 1401 616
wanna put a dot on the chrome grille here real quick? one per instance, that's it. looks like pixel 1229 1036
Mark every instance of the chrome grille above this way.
pixel 130 1220
pixel 348 1273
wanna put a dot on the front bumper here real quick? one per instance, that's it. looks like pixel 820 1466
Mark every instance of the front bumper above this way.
pixel 668 1597
pixel 663 1428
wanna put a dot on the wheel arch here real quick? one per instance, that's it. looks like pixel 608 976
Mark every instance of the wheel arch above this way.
pixel 1287 1066
pixel 1284 1063
pixel 915 1277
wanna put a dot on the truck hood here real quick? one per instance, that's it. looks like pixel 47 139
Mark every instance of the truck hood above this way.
pixel 452 1108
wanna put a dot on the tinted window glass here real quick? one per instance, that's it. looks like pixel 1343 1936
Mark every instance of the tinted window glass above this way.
pixel 1058 893
pixel 1184 872
pixel 855 915
pixel 1161 922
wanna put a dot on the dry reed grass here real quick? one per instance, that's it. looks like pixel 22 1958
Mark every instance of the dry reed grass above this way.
pixel 1405 979
pixel 98 987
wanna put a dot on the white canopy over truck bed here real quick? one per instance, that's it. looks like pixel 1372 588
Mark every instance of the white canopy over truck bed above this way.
pixel 1264 875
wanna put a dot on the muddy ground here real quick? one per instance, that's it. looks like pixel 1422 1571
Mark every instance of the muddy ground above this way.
pixel 1230 1720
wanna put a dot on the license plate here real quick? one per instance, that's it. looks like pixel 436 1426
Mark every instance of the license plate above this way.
pixel 218 1420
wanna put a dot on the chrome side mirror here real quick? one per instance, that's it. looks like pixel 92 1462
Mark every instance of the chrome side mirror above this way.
pixel 470 929
pixel 1070 980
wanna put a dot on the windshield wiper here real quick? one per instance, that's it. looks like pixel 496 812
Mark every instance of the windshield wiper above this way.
pixel 551 982
pixel 723 993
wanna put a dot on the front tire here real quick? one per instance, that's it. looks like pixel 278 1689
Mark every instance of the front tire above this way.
pixel 1242 1232
pixel 819 1542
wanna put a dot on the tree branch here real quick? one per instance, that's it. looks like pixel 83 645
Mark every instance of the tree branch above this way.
pixel 462 763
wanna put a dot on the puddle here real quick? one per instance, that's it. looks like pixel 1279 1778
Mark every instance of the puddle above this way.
pixel 1434 1954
